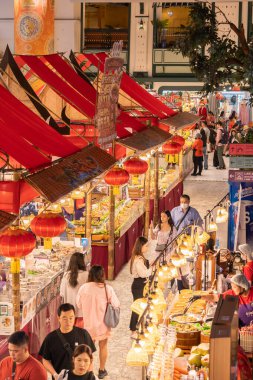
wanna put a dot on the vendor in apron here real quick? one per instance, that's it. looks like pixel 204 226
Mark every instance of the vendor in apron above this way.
pixel 240 288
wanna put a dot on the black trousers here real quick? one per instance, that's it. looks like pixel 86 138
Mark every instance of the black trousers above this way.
pixel 198 165
pixel 137 292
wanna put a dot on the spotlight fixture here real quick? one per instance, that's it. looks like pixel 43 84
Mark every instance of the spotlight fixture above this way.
pixel 141 24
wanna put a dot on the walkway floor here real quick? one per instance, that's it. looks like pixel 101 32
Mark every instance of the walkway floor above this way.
pixel 205 192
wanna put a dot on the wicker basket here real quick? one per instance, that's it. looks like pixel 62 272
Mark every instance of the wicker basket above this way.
pixel 246 340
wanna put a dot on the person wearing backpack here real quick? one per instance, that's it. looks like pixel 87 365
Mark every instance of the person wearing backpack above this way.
pixel 220 142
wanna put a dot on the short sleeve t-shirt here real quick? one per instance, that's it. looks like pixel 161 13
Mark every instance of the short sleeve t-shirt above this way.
pixel 245 311
pixel 248 271
pixel 30 369
pixel 87 376
pixel 52 348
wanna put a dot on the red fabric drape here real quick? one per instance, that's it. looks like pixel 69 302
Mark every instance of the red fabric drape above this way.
pixel 31 127
pixel 134 90
pixel 17 147
pixel 90 94
pixel 60 87
pixel 72 77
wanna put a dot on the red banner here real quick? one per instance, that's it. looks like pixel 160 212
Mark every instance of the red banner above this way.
pixel 241 149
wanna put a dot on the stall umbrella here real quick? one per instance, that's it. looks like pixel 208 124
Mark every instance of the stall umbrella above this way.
pixel 16 243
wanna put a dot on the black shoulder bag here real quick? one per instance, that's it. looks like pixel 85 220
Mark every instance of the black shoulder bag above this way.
pixel 64 342
pixel 183 218
pixel 13 371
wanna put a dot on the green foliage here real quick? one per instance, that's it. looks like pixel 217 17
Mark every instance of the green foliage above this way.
pixel 216 60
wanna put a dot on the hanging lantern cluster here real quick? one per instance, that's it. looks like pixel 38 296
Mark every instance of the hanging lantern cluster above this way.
pixel 222 215
pixel 16 242
pixel 116 177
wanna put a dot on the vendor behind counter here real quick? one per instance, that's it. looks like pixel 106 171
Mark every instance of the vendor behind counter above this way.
pixel 240 288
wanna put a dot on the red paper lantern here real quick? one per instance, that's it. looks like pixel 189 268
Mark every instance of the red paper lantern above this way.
pixel 15 242
pixel 48 225
pixel 135 166
pixel 236 88
pixel 178 139
pixel 116 177
pixel 171 148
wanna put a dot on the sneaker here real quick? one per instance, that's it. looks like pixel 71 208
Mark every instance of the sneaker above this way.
pixel 194 174
pixel 102 373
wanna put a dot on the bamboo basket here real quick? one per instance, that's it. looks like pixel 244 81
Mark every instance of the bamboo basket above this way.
pixel 204 338
pixel 246 340
pixel 186 341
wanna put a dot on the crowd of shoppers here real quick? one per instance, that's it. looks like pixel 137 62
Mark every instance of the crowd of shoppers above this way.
pixel 216 135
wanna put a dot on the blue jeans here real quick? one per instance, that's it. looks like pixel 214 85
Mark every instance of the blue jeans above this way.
pixel 205 157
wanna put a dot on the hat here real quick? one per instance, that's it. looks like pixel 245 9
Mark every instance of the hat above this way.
pixel 241 280
pixel 198 136
pixel 246 250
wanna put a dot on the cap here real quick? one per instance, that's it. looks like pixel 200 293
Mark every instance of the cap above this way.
pixel 241 280
pixel 246 250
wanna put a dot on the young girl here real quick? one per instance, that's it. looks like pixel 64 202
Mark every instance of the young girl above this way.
pixel 139 269
pixel 75 276
pixel 164 232
pixel 81 362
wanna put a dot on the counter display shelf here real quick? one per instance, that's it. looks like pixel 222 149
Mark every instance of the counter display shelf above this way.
pixel 41 274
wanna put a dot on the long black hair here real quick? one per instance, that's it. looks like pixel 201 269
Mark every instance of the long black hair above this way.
pixel 76 263
pixel 170 221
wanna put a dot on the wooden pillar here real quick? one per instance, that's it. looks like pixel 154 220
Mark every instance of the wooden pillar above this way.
pixel 156 188
pixel 88 214
pixel 180 164
pixel 15 271
pixel 111 246
pixel 147 201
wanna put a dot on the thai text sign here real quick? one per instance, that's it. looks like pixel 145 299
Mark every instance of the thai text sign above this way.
pixel 240 176
pixel 241 162
pixel 241 149
pixel 107 104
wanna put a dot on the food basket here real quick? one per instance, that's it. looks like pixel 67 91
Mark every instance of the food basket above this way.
pixel 246 340
pixel 185 318
pixel 204 338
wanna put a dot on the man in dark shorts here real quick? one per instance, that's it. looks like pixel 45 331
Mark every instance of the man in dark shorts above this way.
pixel 59 345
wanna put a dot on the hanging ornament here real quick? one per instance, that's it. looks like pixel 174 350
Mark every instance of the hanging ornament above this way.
pixel 116 177
pixel 171 148
pixel 16 242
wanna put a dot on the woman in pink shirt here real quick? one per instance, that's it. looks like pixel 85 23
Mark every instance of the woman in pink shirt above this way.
pixel 91 298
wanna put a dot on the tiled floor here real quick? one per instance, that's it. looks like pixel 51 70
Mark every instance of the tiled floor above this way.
pixel 205 192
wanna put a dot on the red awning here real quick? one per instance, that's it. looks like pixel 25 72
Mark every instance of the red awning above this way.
pixel 134 90
pixel 21 120
pixel 17 147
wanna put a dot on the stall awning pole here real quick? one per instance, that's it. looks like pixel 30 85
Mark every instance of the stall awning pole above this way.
pixel 147 201
pixel 111 241
pixel 156 188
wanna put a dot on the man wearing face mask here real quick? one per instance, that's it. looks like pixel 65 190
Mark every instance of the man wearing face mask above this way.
pixel 184 214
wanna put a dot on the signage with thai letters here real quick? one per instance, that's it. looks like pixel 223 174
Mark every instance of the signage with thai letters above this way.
pixel 241 149
pixel 107 103
pixel 241 162
pixel 240 175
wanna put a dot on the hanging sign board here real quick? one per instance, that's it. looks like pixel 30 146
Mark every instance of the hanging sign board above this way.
pixel 107 103
pixel 241 149
pixel 240 176
pixel 241 162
